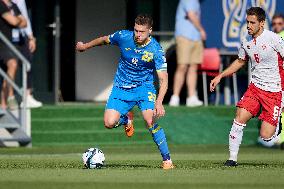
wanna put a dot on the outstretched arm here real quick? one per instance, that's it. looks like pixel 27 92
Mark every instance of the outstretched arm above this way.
pixel 80 46
pixel 163 87
pixel 235 66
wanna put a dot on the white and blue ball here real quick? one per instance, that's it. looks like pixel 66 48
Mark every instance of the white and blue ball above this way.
pixel 93 158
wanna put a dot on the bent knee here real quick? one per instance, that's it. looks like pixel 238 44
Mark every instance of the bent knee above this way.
pixel 12 64
pixel 266 136
pixel 109 124
pixel 182 68
pixel 149 122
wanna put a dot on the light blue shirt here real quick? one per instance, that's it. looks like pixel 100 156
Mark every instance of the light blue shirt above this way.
pixel 184 26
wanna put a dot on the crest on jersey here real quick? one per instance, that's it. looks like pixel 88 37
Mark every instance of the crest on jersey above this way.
pixel 234 27
pixel 147 56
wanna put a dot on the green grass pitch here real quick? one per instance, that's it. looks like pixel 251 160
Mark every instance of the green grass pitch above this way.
pixel 137 166
pixel 198 140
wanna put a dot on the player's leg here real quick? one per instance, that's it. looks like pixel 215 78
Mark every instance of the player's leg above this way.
pixel 11 71
pixel 271 115
pixel 236 135
pixel 129 127
pixel 183 57
pixel 116 116
pixel 146 97
pixel 196 57
pixel 281 136
pixel 191 81
pixel 179 79
pixel 248 107
pixel 159 138
pixel 117 111
pixel 267 131
pixel 4 94
pixel 31 101
pixel 269 134
pixel 111 118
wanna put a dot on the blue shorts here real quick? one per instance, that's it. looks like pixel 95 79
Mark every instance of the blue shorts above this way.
pixel 124 99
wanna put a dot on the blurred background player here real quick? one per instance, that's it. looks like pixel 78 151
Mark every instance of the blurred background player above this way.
pixel 189 35
pixel 141 57
pixel 11 20
pixel 278 24
pixel 27 46
pixel 264 50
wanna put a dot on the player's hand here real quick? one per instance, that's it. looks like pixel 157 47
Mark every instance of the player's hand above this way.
pixel 80 46
pixel 159 110
pixel 214 82
pixel 32 45
pixel 203 35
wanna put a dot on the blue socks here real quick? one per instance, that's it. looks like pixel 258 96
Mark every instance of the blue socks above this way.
pixel 123 120
pixel 159 138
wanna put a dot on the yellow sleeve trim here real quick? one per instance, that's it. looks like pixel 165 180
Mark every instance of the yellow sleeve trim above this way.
pixel 162 70
pixel 108 41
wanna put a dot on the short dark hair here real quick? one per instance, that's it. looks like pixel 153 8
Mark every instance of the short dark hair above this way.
pixel 144 19
pixel 258 12
pixel 278 15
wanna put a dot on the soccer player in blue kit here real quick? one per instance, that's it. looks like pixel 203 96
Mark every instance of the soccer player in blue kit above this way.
pixel 141 57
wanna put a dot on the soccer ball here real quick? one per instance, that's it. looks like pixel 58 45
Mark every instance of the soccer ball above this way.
pixel 93 158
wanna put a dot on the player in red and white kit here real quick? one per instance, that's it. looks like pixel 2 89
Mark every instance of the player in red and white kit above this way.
pixel 264 50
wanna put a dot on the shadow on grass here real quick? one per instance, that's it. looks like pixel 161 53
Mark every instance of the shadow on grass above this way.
pixel 248 164
pixel 256 164
pixel 128 166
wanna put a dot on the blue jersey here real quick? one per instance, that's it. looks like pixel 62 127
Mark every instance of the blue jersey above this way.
pixel 137 64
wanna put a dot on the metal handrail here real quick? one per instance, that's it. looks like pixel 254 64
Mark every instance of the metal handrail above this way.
pixel 26 66
pixel 16 51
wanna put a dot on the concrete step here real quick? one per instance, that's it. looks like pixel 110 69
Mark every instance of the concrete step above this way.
pixel 14 137
pixel 9 119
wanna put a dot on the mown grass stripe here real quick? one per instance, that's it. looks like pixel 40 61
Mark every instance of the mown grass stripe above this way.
pixel 62 126
pixel 105 131
pixel 88 137
pixel 182 125
pixel 64 119
pixel 93 143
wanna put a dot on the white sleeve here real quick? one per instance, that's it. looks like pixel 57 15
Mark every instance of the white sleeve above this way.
pixel 278 44
pixel 242 53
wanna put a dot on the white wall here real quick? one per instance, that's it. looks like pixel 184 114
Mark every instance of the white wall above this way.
pixel 95 68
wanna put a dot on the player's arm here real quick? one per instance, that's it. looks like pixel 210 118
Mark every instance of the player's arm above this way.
pixel 80 46
pixel 163 87
pixel 191 15
pixel 23 21
pixel 16 21
pixel 235 66
pixel 279 45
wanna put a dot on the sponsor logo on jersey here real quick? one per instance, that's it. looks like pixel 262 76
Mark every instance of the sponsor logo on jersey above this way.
pixel 134 61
